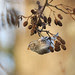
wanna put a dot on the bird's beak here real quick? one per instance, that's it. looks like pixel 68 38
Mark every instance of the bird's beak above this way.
pixel 28 48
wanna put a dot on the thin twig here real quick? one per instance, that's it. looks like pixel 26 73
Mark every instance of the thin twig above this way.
pixel 64 5
pixel 52 11
pixel 57 8
pixel 71 16
pixel 43 8
pixel 19 17
pixel 51 1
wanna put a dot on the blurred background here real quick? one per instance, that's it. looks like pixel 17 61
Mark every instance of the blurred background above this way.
pixel 17 60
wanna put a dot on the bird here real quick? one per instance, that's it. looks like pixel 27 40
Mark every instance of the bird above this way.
pixel 41 46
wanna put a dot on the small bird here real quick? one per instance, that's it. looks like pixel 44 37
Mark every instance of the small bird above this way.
pixel 41 46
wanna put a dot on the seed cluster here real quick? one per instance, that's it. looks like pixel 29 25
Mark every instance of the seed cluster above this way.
pixel 58 44
pixel 39 22
pixel 38 19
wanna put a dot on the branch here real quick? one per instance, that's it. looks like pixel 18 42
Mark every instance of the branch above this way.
pixel 43 8
pixel 57 8
pixel 51 1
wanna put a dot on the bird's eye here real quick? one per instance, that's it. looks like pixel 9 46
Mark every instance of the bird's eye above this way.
pixel 33 44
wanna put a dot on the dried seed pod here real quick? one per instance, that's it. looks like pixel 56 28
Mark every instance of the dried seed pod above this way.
pixel 63 47
pixel 32 32
pixel 39 23
pixel 25 23
pixel 59 38
pixel 59 23
pixel 57 43
pixel 57 48
pixel 45 19
pixel 74 11
pixel 30 27
pixel 33 20
pixel 60 16
pixel 34 27
pixel 62 41
pixel 56 21
pixel 51 49
pixel 33 11
pixel 49 21
pixel 35 31
pixel 44 27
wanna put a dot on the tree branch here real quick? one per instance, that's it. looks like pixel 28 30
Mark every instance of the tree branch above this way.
pixel 57 8
pixel 43 8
